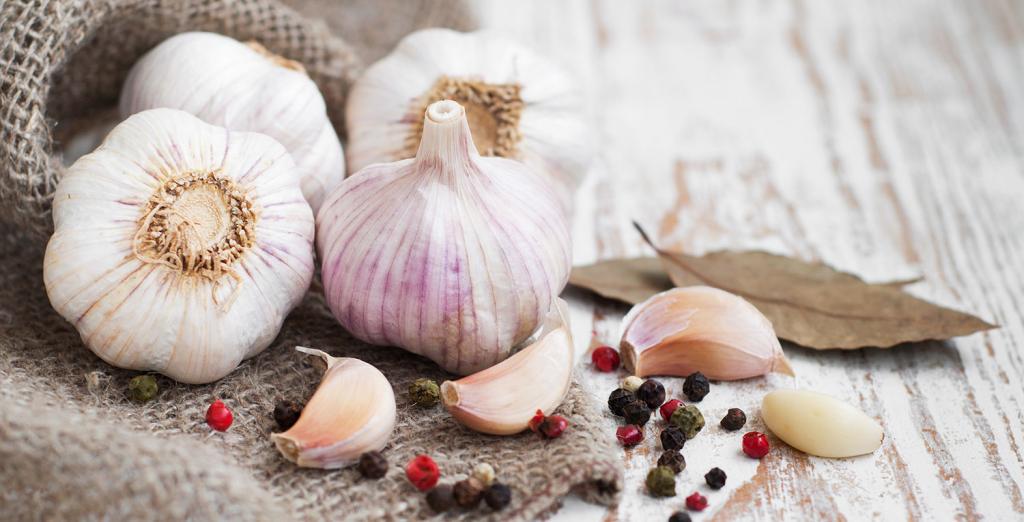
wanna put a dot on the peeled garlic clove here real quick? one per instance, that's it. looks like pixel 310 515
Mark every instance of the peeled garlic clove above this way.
pixel 820 425
pixel 450 255
pixel 179 247
pixel 502 399
pixel 520 104
pixel 246 88
pixel 699 328
pixel 351 412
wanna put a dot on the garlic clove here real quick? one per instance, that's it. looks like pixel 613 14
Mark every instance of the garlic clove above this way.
pixel 351 412
pixel 820 425
pixel 521 105
pixel 242 87
pixel 502 399
pixel 179 247
pixel 699 328
pixel 449 255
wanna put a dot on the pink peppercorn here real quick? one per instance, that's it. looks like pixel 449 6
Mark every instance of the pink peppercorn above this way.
pixel 755 444
pixel 605 358
pixel 536 421
pixel 629 435
pixel 423 472
pixel 218 416
pixel 696 502
pixel 553 425
pixel 669 407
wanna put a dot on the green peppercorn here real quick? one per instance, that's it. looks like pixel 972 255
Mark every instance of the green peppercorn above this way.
pixel 498 496
pixel 673 460
pixel 636 413
pixel 142 388
pixel 661 482
pixel 689 419
pixel 424 393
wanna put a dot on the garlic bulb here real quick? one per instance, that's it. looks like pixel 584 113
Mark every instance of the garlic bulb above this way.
pixel 244 88
pixel 502 399
pixel 820 425
pixel 352 412
pixel 699 328
pixel 179 247
pixel 450 255
pixel 519 104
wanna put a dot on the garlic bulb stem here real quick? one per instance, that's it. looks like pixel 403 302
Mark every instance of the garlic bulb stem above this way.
pixel 446 138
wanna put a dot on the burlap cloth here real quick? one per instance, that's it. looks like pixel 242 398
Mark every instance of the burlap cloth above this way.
pixel 73 447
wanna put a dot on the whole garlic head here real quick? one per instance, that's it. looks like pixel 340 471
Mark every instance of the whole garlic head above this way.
pixel 450 255
pixel 245 88
pixel 179 247
pixel 519 104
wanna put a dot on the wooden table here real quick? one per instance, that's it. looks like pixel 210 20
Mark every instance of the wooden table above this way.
pixel 884 138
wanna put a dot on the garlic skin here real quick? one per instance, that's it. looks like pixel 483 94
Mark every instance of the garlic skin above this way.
pixel 245 88
pixel 352 412
pixel 450 255
pixel 179 247
pixel 520 104
pixel 820 425
pixel 502 399
pixel 700 328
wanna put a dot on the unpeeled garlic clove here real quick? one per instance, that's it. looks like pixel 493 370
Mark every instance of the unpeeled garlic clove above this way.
pixel 351 412
pixel 699 328
pixel 502 399
pixel 820 425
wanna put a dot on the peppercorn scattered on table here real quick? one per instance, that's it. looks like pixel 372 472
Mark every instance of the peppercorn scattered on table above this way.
pixel 881 138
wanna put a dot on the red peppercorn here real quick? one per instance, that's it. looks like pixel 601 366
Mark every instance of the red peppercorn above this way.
pixel 696 502
pixel 755 444
pixel 218 416
pixel 669 407
pixel 422 471
pixel 629 435
pixel 553 425
pixel 536 421
pixel 605 358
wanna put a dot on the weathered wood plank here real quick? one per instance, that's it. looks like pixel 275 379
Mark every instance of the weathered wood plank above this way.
pixel 883 138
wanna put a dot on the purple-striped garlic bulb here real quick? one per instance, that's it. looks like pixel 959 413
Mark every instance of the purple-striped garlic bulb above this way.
pixel 451 255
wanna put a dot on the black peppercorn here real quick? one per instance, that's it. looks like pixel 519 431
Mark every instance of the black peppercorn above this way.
pixel 652 393
pixel 679 516
pixel 674 460
pixel 498 496
pixel 373 465
pixel 696 386
pixel 715 478
pixel 468 492
pixel 734 419
pixel 286 413
pixel 441 498
pixel 672 438
pixel 636 413
pixel 619 399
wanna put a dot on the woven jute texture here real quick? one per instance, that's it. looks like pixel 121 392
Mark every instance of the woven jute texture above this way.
pixel 62 61
pixel 73 446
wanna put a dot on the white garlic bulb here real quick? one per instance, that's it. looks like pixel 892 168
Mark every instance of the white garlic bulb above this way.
pixel 179 247
pixel 450 255
pixel 520 105
pixel 245 88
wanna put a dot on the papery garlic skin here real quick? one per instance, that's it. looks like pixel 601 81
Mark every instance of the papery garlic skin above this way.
pixel 244 88
pixel 700 328
pixel 820 425
pixel 239 258
pixel 352 412
pixel 450 255
pixel 502 399
pixel 520 104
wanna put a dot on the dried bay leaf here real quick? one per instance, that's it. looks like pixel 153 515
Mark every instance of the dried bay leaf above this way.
pixel 631 280
pixel 816 306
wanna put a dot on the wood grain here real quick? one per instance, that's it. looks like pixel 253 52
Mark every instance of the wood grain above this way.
pixel 883 138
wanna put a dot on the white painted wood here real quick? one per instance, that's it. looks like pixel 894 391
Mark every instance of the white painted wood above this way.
pixel 884 138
